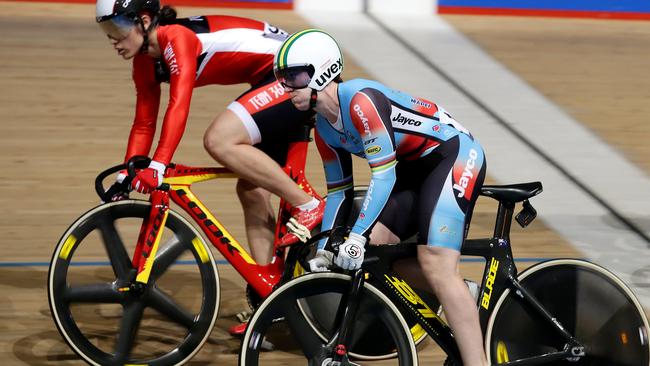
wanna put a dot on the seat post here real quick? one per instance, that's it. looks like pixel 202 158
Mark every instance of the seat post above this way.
pixel 503 220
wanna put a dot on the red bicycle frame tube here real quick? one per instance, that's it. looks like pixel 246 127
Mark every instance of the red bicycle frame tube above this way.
pixel 262 278
pixel 295 168
pixel 150 233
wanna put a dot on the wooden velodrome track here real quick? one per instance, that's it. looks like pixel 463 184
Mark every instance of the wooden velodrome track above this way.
pixel 66 103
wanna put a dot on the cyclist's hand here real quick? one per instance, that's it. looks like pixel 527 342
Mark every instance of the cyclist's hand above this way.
pixel 321 261
pixel 119 190
pixel 122 194
pixel 150 178
pixel 300 231
pixel 351 252
pixel 119 196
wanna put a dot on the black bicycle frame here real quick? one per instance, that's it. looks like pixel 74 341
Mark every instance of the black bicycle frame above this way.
pixel 500 274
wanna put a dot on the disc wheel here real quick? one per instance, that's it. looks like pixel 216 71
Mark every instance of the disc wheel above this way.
pixel 592 304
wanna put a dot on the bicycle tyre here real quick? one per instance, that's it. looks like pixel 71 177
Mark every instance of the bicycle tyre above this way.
pixel 283 304
pixel 169 320
pixel 370 347
pixel 591 303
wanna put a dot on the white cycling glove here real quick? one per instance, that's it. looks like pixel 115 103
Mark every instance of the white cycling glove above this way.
pixel 351 252
pixel 299 230
pixel 321 261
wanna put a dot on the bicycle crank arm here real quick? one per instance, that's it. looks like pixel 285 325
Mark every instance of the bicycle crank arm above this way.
pixel 571 354
pixel 324 359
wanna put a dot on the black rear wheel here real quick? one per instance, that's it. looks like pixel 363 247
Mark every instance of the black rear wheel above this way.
pixel 593 305
pixel 108 322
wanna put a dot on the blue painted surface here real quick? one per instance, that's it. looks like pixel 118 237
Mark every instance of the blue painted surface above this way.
pixel 221 262
pixel 636 6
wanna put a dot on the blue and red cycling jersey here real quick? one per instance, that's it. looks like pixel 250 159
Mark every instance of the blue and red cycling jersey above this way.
pixel 387 127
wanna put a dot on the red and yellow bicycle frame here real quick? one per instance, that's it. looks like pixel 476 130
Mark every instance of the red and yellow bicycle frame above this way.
pixel 180 178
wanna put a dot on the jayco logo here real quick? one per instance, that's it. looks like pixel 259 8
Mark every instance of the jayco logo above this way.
pixel 333 69
pixel 405 120
pixel 467 174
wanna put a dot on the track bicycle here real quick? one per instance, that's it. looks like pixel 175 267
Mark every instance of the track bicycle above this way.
pixel 134 281
pixel 557 312
pixel 153 298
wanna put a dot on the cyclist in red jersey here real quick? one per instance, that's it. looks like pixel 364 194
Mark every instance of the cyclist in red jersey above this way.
pixel 250 137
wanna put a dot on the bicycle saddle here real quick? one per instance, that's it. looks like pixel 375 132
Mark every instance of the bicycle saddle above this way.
pixel 512 192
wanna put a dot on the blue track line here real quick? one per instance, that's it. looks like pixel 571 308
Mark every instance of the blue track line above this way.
pixel 220 261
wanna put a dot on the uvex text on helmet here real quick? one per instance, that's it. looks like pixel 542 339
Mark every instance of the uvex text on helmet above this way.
pixel 311 47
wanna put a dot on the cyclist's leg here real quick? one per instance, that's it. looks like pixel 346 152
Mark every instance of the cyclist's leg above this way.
pixel 398 221
pixel 263 114
pixel 440 267
pixel 259 220
pixel 229 142
pixel 453 184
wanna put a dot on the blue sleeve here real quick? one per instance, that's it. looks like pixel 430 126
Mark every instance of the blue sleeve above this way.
pixel 338 175
pixel 370 112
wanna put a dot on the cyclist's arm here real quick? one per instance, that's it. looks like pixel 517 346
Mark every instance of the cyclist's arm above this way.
pixel 338 175
pixel 370 112
pixel 146 108
pixel 180 57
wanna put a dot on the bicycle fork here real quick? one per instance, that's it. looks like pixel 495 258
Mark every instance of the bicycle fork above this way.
pixel 149 239
pixel 336 349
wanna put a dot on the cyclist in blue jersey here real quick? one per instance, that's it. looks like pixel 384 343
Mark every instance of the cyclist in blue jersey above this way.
pixel 426 168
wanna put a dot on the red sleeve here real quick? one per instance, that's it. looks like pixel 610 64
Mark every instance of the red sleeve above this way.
pixel 221 22
pixel 146 108
pixel 180 48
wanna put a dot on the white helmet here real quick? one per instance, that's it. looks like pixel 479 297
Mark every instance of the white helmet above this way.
pixel 117 17
pixel 310 58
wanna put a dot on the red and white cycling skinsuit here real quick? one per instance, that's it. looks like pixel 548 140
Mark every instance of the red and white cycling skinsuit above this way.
pixel 200 51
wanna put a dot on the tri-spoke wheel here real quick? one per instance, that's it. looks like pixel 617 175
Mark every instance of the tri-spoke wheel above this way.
pixel 108 320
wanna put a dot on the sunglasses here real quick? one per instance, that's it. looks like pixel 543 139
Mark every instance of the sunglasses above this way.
pixel 295 77
pixel 118 27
